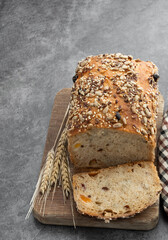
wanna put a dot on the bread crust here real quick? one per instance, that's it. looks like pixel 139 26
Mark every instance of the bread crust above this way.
pixel 115 91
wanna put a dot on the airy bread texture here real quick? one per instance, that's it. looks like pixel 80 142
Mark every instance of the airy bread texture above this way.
pixel 117 192
pixel 113 111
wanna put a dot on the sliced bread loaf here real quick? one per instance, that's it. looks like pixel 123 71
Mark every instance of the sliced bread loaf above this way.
pixel 117 192
pixel 113 111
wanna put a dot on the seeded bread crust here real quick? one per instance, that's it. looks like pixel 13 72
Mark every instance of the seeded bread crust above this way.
pixel 117 192
pixel 116 92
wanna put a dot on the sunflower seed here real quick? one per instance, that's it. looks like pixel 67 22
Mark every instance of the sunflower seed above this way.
pixel 90 126
pixel 122 77
pixel 98 93
pixel 109 116
pixel 106 87
pixel 89 112
pixel 82 64
pixel 143 131
pixel 145 120
pixel 124 121
pixel 133 109
pixel 117 125
pixel 148 113
pixel 152 131
pixel 136 98
pixel 105 109
pixel 81 118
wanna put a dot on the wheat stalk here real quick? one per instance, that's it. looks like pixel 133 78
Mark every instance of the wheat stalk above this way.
pixel 61 127
pixel 33 200
pixel 71 193
pixel 51 170
pixel 47 171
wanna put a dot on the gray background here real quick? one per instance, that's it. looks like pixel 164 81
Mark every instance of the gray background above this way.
pixel 40 45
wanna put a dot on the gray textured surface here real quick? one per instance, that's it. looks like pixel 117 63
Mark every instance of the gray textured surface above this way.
pixel 40 45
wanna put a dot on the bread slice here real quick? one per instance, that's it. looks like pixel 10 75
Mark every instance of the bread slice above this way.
pixel 118 191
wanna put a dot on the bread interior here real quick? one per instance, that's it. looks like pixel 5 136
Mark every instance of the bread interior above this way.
pixel 108 147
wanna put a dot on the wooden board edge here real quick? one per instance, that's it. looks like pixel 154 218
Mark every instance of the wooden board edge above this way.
pixel 63 90
pixel 114 224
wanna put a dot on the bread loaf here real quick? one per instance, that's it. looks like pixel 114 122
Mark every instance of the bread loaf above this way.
pixel 113 110
pixel 117 192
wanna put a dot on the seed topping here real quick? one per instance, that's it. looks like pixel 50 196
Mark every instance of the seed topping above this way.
pixel 105 98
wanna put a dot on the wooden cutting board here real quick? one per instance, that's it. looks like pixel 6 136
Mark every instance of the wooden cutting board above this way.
pixel 58 213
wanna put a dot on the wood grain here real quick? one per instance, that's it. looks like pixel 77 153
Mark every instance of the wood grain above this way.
pixel 58 213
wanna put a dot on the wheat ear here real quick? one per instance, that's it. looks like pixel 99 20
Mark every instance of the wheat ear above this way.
pixel 43 183
pixel 57 161
pixel 65 176
pixel 47 171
